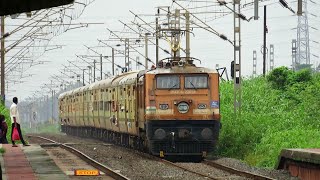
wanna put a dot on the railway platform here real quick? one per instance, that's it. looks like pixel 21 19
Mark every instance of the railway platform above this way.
pixel 28 163
pixel 302 163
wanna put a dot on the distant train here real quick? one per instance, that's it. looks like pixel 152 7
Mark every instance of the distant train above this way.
pixel 169 110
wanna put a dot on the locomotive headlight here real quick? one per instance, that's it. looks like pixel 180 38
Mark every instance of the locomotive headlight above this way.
pixel 206 133
pixel 183 107
pixel 164 106
pixel 160 134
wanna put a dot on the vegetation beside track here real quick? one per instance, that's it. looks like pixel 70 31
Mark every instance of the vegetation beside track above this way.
pixel 5 111
pixel 279 111
pixel 44 128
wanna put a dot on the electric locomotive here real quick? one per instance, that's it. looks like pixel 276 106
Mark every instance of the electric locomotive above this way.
pixel 169 110
pixel 182 109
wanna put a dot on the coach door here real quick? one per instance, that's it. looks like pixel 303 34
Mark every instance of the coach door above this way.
pixel 140 105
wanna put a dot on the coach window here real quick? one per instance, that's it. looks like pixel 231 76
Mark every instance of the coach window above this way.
pixel 196 81
pixel 106 105
pixel 168 82
pixel 101 106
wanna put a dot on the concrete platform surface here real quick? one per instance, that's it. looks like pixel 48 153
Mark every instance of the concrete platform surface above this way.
pixel 301 163
pixel 28 163
pixel 304 155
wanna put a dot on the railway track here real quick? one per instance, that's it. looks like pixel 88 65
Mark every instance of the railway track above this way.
pixel 86 158
pixel 236 171
pixel 231 172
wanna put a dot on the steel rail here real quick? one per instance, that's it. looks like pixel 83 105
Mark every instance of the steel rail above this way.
pixel 236 171
pixel 108 171
pixel 207 162
pixel 186 169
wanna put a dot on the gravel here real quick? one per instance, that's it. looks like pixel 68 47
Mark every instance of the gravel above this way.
pixel 237 164
pixel 210 171
pixel 135 165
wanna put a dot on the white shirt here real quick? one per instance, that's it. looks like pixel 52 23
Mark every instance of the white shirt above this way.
pixel 14 113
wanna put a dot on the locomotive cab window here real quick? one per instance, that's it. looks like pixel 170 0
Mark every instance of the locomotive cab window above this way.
pixel 196 81
pixel 168 82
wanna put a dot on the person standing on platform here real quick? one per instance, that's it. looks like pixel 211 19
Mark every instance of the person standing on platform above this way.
pixel 15 119
pixel 3 130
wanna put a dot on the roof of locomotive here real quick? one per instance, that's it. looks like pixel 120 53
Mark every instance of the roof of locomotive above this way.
pixel 182 69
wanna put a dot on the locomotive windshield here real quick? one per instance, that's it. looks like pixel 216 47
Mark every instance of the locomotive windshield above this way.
pixel 196 82
pixel 168 82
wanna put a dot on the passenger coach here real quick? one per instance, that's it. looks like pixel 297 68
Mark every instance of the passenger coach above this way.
pixel 169 110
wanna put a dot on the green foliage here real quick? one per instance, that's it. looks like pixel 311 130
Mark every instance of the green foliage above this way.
pixel 271 145
pixel 5 111
pixel 44 128
pixel 303 75
pixel 274 115
pixel 2 150
pixel 280 77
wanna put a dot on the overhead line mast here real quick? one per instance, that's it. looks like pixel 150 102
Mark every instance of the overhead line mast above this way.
pixel 303 47
pixel 237 58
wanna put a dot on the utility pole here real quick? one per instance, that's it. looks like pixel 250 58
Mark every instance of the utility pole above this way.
pixel 254 73
pixel 188 37
pixel 237 59
pixel 100 66
pixel 83 77
pixel 94 70
pixel 2 62
pixel 47 107
pixel 113 61
pixel 146 50
pixel 299 12
pixel 264 39
pixel 138 61
pixel 303 39
pixel 294 54
pixel 176 37
pixel 52 103
pixel 127 53
pixel 157 41
pixel 271 57
pixel 90 74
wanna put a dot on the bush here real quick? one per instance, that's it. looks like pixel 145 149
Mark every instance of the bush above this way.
pixel 271 145
pixel 271 118
pixel 5 111
pixel 280 77
pixel 304 75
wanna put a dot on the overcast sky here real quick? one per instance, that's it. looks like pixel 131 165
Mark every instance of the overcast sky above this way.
pixel 205 46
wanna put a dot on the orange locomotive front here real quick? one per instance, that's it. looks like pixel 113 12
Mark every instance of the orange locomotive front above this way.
pixel 182 110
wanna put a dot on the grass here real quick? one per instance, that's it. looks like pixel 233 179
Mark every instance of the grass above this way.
pixel 271 119
pixel 44 128
pixel 6 113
